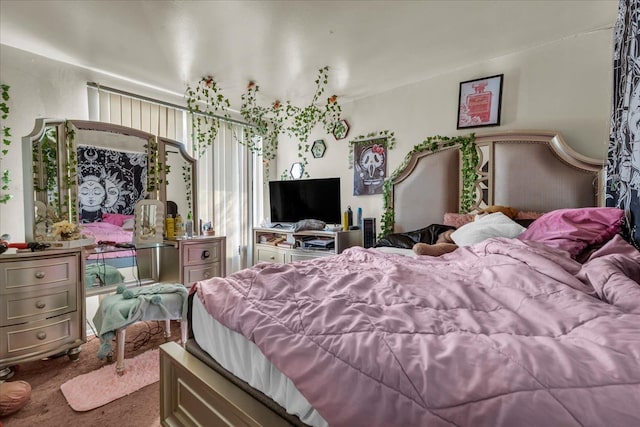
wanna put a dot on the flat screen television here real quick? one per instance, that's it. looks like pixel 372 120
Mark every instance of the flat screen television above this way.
pixel 292 201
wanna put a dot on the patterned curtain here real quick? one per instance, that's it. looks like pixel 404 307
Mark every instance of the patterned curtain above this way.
pixel 623 159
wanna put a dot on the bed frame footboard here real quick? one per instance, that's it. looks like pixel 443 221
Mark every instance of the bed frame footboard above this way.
pixel 192 394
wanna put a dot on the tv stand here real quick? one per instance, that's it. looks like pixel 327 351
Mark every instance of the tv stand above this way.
pixel 277 244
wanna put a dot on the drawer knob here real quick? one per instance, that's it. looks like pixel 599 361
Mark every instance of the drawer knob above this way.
pixel 40 304
pixel 41 335
pixel 205 254
pixel 207 274
pixel 272 257
pixel 39 275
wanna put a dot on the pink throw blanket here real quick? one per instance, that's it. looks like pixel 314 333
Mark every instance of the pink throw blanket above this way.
pixel 502 333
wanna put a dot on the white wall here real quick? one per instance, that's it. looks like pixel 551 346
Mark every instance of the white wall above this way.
pixel 564 86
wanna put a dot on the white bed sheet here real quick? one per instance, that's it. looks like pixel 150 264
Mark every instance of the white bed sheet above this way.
pixel 397 251
pixel 244 359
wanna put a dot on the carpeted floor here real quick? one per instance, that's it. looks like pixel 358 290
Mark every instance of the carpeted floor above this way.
pixel 48 407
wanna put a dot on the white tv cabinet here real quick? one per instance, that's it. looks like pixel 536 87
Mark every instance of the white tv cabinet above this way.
pixel 269 252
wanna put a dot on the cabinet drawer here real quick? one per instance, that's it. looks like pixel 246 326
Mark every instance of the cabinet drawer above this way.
pixel 28 306
pixel 200 272
pixel 19 275
pixel 39 337
pixel 269 255
pixel 299 256
pixel 201 253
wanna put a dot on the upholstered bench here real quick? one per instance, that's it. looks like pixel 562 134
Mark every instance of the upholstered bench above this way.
pixel 157 302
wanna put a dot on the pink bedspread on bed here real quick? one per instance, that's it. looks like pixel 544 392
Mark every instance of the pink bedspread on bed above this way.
pixel 104 231
pixel 502 333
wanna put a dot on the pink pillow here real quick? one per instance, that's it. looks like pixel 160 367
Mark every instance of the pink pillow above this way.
pixel 115 219
pixel 457 220
pixel 573 230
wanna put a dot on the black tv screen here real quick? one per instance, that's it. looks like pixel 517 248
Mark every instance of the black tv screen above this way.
pixel 292 201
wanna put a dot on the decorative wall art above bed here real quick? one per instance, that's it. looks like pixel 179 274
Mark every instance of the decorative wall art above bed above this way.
pixel 479 102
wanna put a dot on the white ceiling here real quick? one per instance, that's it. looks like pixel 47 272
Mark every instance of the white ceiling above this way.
pixel 370 46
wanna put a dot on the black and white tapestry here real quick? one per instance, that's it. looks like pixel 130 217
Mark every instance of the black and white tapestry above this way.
pixel 623 159
pixel 109 181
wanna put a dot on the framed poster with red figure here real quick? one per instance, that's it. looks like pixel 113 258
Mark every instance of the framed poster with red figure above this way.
pixel 479 102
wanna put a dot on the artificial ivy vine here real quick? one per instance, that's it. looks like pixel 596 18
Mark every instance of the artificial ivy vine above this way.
pixel 6 134
pixel 69 202
pixel 470 160
pixel 206 121
pixel 265 123
pixel 385 138
pixel 186 176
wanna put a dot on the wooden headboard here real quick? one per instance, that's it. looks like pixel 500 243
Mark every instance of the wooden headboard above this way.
pixel 528 170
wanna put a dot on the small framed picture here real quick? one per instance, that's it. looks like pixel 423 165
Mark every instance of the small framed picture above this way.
pixel 479 102
pixel 341 129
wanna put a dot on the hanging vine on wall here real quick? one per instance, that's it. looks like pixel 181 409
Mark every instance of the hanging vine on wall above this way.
pixel 186 176
pixel 205 121
pixel 6 142
pixel 155 168
pixel 470 159
pixel 69 203
pixel 385 138
pixel 265 123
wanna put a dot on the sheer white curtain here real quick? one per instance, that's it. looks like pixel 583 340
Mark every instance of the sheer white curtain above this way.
pixel 228 174
pixel 230 183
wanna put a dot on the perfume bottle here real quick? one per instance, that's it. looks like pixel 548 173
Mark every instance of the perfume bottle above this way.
pixel 479 102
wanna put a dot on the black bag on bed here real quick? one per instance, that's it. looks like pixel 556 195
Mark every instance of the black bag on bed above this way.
pixel 406 240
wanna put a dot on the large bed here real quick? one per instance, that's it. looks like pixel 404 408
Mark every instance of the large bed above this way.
pixel 541 330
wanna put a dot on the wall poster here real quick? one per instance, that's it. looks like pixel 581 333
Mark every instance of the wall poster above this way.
pixel 370 167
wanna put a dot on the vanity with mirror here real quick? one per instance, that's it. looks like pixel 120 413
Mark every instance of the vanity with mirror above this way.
pixel 118 185
pixel 112 185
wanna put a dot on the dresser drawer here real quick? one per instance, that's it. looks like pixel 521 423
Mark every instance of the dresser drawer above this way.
pixel 28 306
pixel 39 337
pixel 201 253
pixel 20 275
pixel 269 255
pixel 200 272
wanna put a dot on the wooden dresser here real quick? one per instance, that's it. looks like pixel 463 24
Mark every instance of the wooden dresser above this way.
pixel 41 306
pixel 199 258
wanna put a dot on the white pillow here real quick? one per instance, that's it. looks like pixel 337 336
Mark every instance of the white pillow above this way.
pixel 484 227
pixel 128 224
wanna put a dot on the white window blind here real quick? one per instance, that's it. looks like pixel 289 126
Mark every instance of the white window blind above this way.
pixel 228 173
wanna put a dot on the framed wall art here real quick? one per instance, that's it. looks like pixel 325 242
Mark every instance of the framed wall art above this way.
pixel 479 102
pixel 369 166
pixel 341 129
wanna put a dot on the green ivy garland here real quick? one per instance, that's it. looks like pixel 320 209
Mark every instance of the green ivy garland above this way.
pixel 69 202
pixel 386 138
pixel 470 161
pixel 6 134
pixel 206 121
pixel 265 123
pixel 186 176
pixel 156 168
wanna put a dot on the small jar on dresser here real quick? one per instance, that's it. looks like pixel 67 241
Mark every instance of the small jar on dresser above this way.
pixel 41 306
pixel 199 258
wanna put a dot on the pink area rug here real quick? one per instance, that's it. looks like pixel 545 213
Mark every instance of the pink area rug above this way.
pixel 97 388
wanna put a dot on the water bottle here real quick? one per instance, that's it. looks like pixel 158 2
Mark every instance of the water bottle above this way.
pixel 360 218
pixel 189 225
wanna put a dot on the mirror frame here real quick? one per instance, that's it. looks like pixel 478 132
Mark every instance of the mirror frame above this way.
pixel 163 143
pixel 67 173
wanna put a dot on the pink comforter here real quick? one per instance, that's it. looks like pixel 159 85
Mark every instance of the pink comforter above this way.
pixel 502 333
pixel 104 231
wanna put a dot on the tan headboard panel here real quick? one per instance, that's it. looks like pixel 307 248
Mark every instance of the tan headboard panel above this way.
pixel 529 170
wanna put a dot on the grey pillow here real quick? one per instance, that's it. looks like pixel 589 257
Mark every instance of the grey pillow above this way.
pixel 309 224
